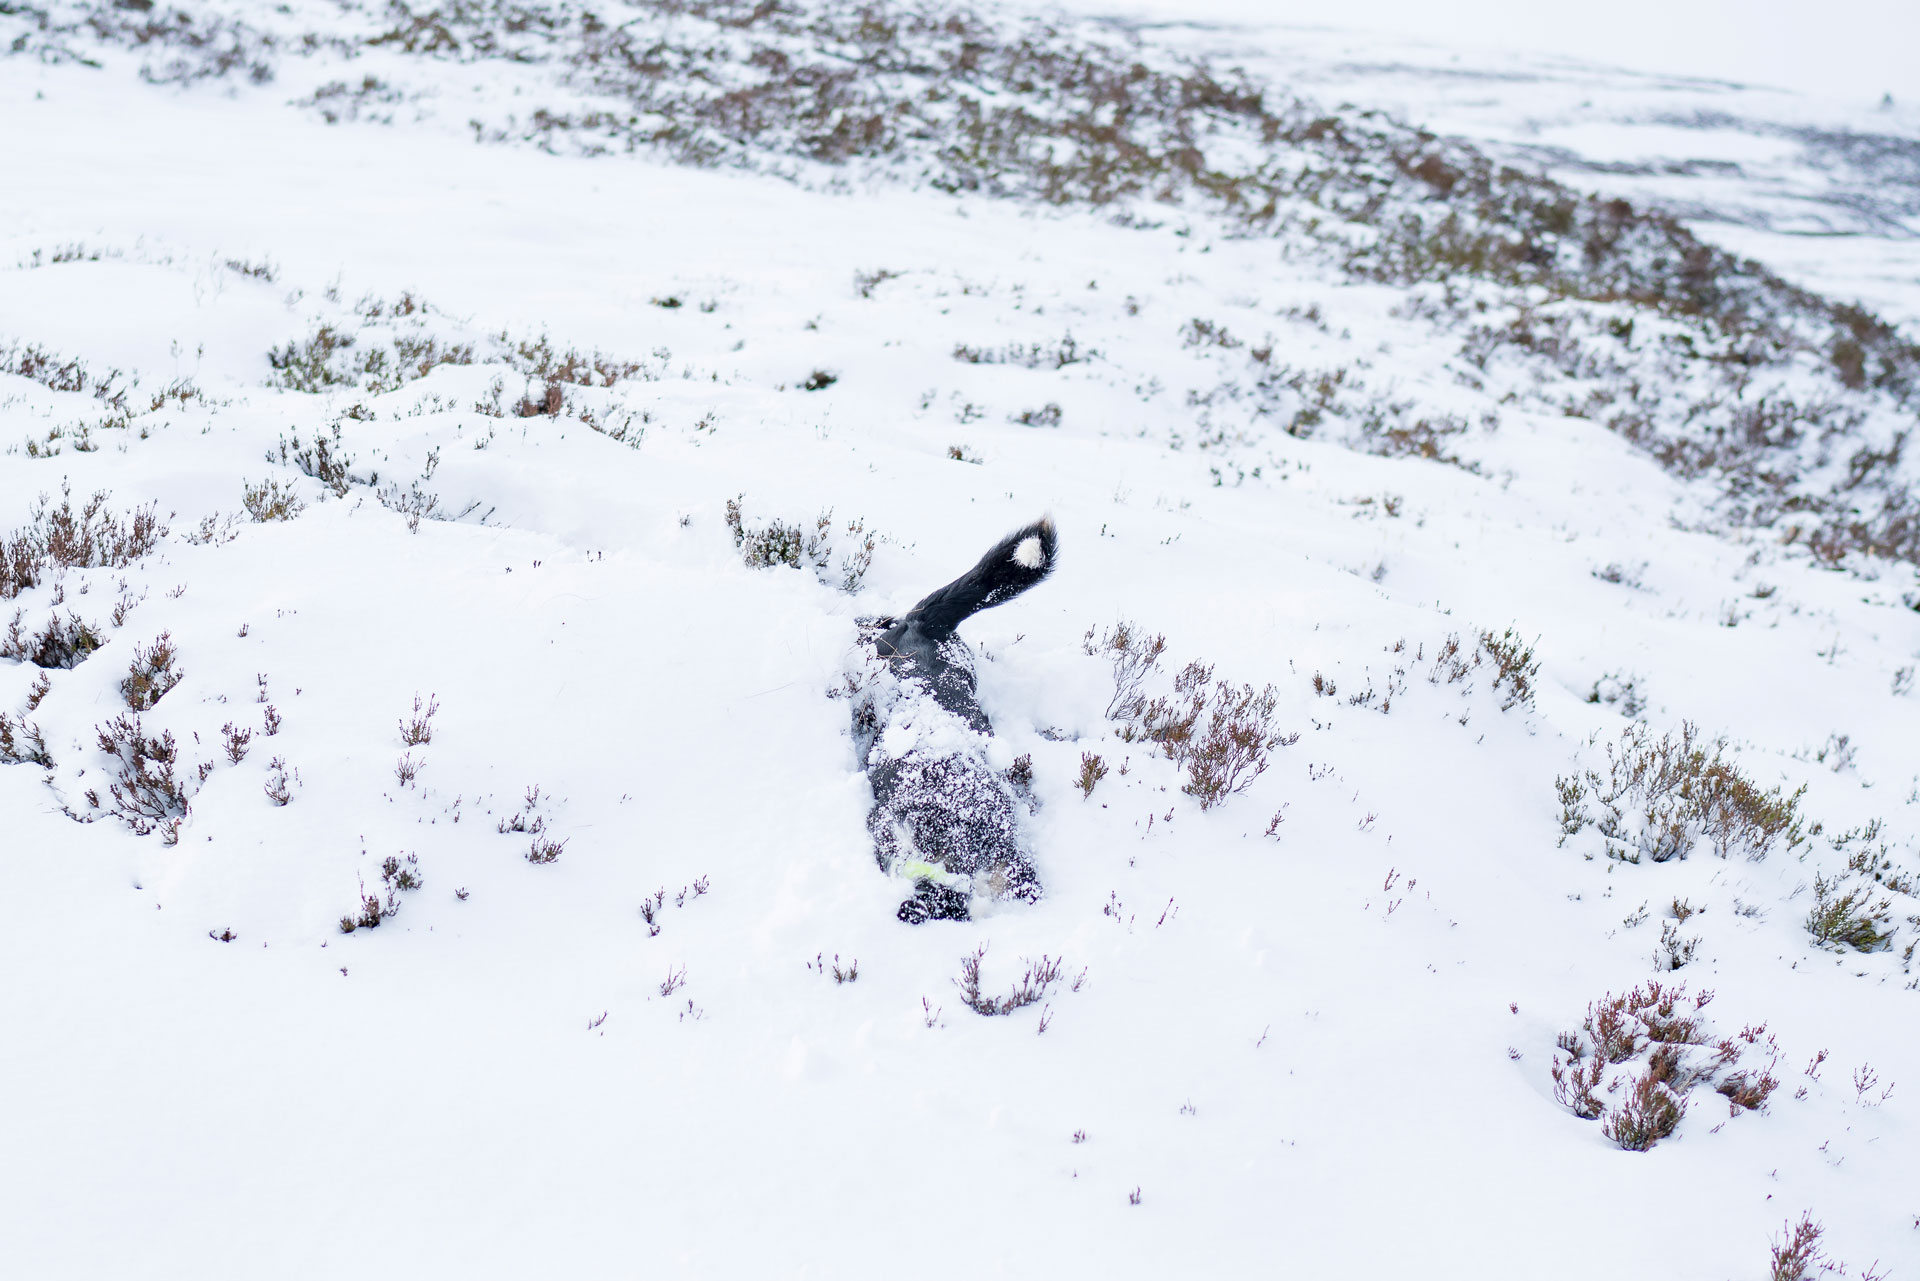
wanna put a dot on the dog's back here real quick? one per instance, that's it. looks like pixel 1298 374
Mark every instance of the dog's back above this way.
pixel 942 816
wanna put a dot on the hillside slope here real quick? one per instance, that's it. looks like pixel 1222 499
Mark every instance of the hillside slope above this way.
pixel 438 421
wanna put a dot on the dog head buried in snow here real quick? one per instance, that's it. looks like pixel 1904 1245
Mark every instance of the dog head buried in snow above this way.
pixel 943 818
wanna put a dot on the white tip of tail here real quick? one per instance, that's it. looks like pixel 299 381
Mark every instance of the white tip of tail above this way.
pixel 1029 554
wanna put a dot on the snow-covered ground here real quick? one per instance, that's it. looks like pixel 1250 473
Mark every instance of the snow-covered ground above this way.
pixel 1851 49
pixel 1307 1032
pixel 1822 188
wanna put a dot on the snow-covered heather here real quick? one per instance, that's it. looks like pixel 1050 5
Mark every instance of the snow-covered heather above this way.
pixel 1825 191
pixel 1308 1032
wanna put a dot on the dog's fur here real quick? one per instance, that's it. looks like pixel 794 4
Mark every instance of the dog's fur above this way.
pixel 942 816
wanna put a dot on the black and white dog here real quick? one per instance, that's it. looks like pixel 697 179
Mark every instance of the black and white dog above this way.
pixel 942 816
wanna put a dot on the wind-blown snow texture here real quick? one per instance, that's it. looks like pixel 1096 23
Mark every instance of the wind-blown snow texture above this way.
pixel 1337 405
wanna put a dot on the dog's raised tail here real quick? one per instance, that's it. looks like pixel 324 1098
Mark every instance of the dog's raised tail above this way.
pixel 1014 564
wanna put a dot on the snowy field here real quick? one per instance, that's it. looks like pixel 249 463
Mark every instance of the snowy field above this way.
pixel 413 606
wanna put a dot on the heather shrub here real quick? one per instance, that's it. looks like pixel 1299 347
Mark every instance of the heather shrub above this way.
pixel 1092 770
pixel 1037 977
pixel 1074 113
pixel 1219 733
pixel 1048 415
pixel 865 282
pixel 151 674
pixel 67 375
pixel 416 503
pixel 1038 355
pixel 22 743
pixel 1649 1112
pixel 397 876
pixel 269 500
pixel 417 731
pixel 541 362
pixel 1515 668
pixel 65 538
pixel 148 792
pixel 1662 794
pixel 1620 692
pixel 277 787
pixel 63 642
pixel 391 349
pixel 839 556
pixel 1848 919
pixel 848 972
pixel 1636 1058
pixel 309 364
pixel 325 460
pixel 1797 1254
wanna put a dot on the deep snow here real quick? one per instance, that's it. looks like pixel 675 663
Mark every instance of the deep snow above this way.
pixel 1325 1051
